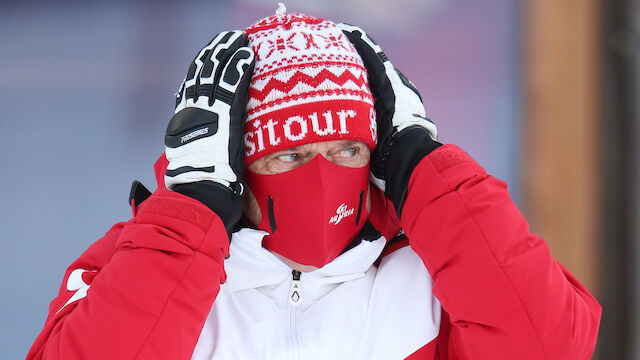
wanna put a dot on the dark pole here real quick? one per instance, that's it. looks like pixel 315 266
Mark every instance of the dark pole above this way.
pixel 619 163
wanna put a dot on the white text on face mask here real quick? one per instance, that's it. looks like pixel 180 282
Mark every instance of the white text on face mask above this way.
pixel 341 213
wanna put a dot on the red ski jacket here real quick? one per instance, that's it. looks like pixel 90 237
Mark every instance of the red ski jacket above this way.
pixel 145 289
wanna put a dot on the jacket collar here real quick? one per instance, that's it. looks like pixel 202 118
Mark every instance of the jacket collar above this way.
pixel 251 266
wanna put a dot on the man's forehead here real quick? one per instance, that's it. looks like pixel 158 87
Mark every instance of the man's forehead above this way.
pixel 331 143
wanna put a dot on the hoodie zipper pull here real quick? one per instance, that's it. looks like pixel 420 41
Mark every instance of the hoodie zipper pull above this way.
pixel 294 293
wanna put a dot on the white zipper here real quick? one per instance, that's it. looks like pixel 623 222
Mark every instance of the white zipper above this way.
pixel 295 299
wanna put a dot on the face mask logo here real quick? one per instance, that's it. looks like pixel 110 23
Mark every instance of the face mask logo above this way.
pixel 341 213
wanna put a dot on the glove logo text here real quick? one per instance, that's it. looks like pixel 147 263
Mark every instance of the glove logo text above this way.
pixel 194 134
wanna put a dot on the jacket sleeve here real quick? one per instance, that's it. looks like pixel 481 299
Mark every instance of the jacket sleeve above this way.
pixel 505 297
pixel 144 290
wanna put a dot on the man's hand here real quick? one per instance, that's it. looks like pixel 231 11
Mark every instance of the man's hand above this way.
pixel 405 134
pixel 203 141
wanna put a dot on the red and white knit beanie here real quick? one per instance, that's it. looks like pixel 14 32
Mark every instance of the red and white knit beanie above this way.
pixel 309 85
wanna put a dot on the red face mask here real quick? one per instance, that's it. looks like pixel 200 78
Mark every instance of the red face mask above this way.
pixel 313 212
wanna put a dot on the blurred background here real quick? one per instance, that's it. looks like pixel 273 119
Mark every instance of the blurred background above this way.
pixel 543 93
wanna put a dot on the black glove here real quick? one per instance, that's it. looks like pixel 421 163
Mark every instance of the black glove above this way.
pixel 405 134
pixel 203 142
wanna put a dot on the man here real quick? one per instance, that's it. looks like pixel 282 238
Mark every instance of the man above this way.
pixel 319 267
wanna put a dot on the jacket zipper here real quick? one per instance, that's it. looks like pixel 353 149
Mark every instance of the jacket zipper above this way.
pixel 294 293
pixel 295 299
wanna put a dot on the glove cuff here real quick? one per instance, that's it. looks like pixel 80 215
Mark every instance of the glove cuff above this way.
pixel 222 200
pixel 406 149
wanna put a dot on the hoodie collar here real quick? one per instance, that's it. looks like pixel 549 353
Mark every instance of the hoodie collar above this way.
pixel 251 266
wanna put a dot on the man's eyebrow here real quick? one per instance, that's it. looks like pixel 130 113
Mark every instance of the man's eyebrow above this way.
pixel 297 148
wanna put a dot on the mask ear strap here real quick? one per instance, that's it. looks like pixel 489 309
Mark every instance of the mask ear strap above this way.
pixel 359 207
pixel 272 218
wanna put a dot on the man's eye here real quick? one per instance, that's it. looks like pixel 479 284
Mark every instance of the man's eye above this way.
pixel 348 152
pixel 289 158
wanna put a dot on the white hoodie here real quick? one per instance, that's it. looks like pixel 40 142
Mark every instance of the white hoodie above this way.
pixel 348 309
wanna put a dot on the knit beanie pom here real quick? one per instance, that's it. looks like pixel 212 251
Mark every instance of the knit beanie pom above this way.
pixel 309 85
